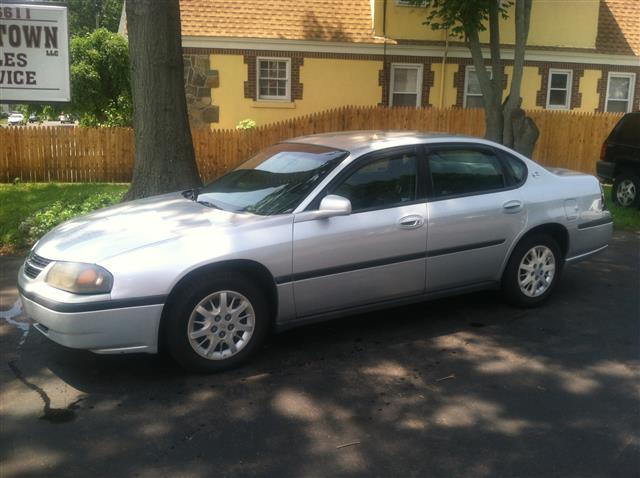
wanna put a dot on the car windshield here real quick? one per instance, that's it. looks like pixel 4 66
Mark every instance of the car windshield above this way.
pixel 274 181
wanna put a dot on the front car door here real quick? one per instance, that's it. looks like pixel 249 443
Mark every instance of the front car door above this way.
pixel 376 253
pixel 475 211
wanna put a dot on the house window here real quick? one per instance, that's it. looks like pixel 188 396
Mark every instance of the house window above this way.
pixel 410 3
pixel 274 79
pixel 406 85
pixel 559 89
pixel 620 87
pixel 472 91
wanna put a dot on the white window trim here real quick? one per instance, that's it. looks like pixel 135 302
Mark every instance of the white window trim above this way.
pixel 417 66
pixel 466 83
pixel 567 105
pixel 287 97
pixel 632 88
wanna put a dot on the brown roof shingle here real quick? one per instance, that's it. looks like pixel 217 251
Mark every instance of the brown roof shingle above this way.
pixel 324 20
pixel 619 27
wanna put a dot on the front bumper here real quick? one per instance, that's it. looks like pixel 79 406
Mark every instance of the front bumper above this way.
pixel 122 330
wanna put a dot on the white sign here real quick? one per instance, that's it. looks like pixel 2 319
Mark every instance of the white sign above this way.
pixel 34 53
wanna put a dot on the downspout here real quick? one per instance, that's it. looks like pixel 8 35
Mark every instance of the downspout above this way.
pixel 444 65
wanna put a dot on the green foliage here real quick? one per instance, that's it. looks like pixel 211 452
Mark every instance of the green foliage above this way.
pixel 460 17
pixel 21 202
pixel 246 124
pixel 84 14
pixel 101 90
pixel 41 222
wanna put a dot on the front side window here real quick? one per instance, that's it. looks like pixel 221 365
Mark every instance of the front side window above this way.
pixel 274 79
pixel 620 88
pixel 274 181
pixel 559 89
pixel 464 171
pixel 381 183
pixel 472 91
pixel 406 85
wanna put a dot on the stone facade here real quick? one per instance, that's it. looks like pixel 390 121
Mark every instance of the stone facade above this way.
pixel 199 80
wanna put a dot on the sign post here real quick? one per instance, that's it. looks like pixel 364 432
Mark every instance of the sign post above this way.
pixel 34 53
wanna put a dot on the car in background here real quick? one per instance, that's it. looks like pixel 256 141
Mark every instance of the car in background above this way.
pixel 33 118
pixel 309 229
pixel 620 161
pixel 66 118
pixel 15 119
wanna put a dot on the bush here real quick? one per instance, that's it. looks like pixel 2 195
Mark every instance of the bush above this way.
pixel 41 222
pixel 246 124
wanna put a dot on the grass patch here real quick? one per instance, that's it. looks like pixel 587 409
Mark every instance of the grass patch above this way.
pixel 28 210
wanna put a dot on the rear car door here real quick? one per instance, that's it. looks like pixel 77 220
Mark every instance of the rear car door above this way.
pixel 475 211
pixel 374 254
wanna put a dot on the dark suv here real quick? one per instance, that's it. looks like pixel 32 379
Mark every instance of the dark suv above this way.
pixel 620 161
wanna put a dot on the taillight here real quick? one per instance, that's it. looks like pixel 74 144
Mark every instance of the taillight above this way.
pixel 603 151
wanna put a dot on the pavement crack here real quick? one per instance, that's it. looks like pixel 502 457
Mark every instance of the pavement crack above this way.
pixel 49 413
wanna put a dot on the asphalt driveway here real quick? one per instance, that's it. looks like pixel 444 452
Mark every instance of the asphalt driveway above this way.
pixel 458 387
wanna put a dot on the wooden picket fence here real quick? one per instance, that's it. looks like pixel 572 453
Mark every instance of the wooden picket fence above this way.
pixel 66 154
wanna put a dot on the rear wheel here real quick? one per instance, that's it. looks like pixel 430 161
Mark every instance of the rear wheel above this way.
pixel 626 190
pixel 218 324
pixel 532 271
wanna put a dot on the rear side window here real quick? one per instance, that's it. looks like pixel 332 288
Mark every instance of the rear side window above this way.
pixel 627 130
pixel 517 169
pixel 462 171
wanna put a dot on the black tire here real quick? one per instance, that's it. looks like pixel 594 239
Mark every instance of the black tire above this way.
pixel 622 180
pixel 182 306
pixel 510 279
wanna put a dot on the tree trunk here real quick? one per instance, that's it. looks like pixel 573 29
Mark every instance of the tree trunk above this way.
pixel 165 160
pixel 525 133
pixel 492 108
pixel 520 132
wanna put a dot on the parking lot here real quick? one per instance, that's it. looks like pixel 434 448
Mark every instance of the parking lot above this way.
pixel 465 386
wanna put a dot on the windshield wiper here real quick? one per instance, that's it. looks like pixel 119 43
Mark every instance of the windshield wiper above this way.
pixel 210 204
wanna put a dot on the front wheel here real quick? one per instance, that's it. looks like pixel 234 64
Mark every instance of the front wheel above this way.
pixel 532 271
pixel 218 324
pixel 626 190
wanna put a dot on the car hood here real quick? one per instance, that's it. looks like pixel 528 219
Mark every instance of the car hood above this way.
pixel 131 225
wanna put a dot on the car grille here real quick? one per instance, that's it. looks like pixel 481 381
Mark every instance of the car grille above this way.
pixel 34 265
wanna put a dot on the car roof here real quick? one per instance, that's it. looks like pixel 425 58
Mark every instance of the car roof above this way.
pixel 372 140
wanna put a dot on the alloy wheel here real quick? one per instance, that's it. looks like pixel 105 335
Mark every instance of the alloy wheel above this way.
pixel 626 192
pixel 536 271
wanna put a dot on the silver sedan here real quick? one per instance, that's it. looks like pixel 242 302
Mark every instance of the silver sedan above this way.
pixel 310 229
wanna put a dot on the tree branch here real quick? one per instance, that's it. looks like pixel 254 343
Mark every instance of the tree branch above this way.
pixel 522 19
pixel 494 46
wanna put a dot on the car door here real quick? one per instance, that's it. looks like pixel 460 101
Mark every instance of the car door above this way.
pixel 374 254
pixel 475 211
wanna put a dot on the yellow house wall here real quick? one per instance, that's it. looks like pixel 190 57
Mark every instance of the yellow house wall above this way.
pixel 327 83
pixel 529 87
pixel 567 23
pixel 589 90
pixel 450 92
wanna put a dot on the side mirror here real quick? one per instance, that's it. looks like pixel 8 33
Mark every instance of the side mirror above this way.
pixel 333 205
pixel 330 206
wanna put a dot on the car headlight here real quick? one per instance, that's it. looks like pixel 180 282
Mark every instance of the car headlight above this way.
pixel 80 278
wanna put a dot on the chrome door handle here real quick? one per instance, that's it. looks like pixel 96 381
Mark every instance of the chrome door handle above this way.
pixel 512 206
pixel 411 222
